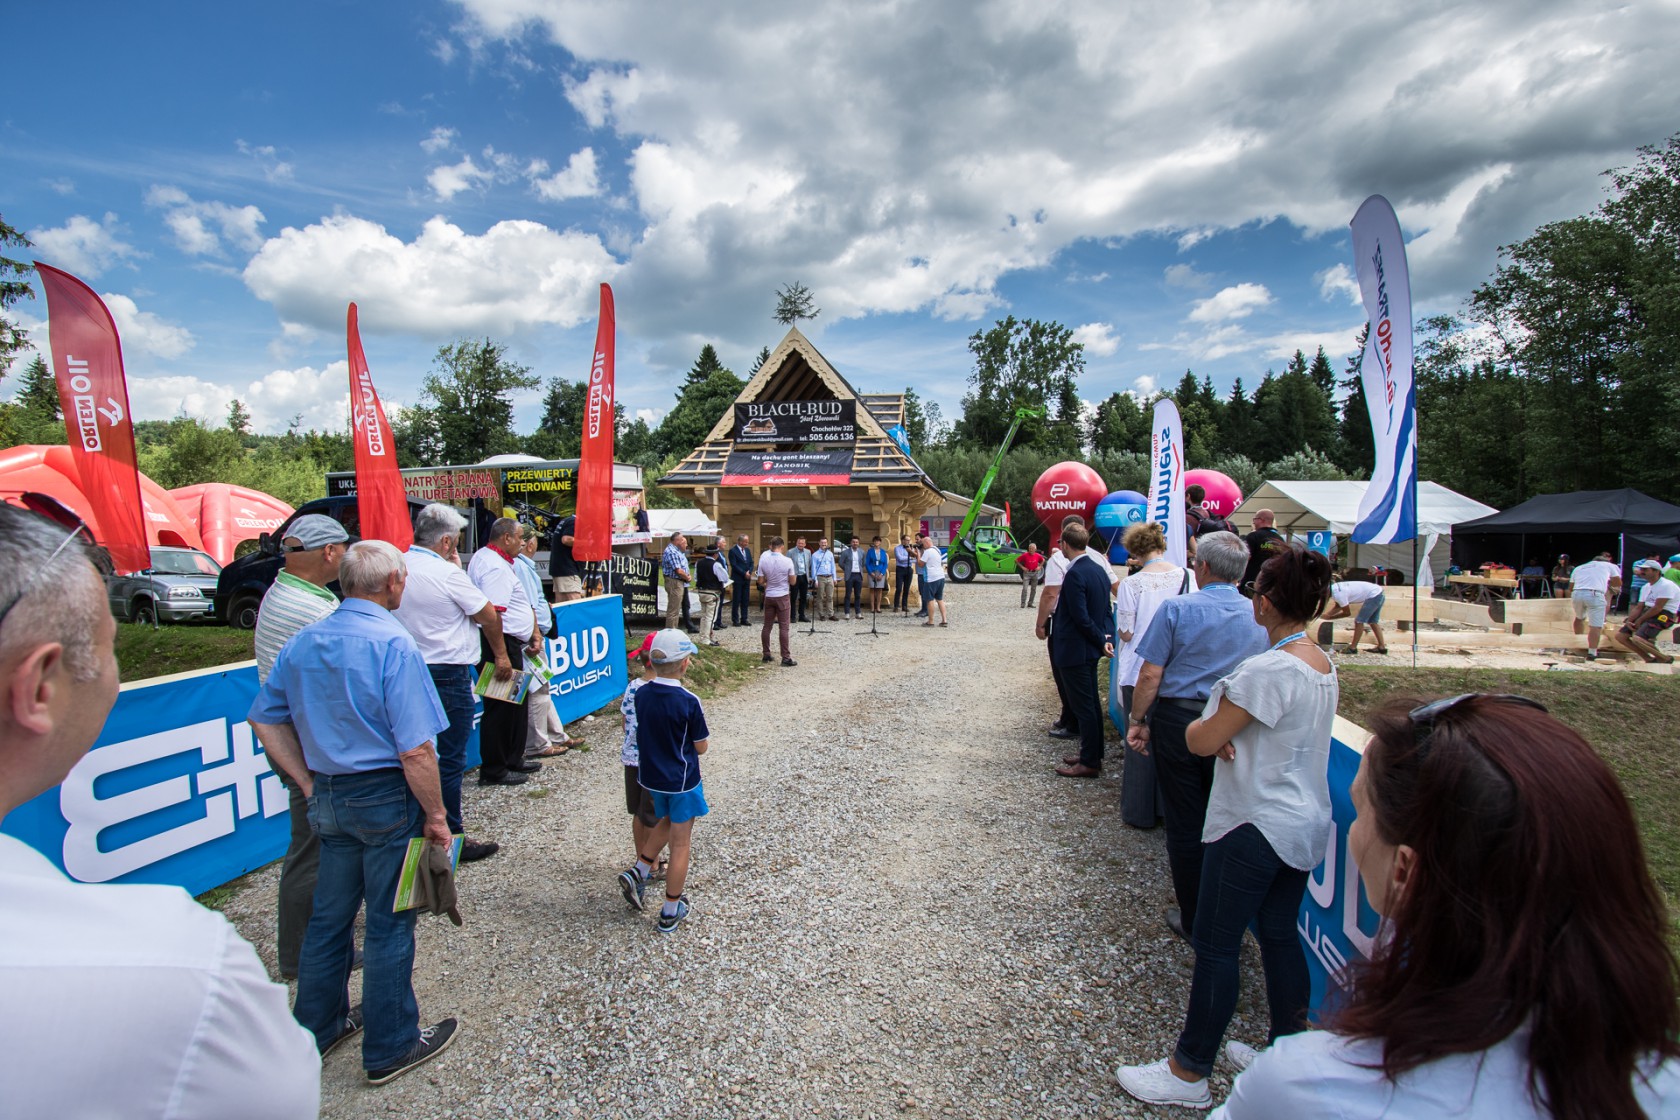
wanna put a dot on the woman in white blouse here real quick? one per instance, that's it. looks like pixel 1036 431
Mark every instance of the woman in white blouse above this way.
pixel 1141 594
pixel 1524 969
pixel 1268 821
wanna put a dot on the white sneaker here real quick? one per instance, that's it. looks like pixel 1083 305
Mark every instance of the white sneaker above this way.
pixel 1240 1054
pixel 1157 1084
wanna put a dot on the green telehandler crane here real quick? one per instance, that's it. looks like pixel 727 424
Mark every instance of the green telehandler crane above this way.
pixel 986 549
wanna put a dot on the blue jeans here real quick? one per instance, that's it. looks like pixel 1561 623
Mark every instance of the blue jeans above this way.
pixel 365 822
pixel 1243 882
pixel 455 689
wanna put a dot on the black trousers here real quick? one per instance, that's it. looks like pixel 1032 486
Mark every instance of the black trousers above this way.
pixel 1066 719
pixel 1185 782
pixel 902 579
pixel 1079 685
pixel 801 596
pixel 502 731
pixel 740 600
pixel 854 594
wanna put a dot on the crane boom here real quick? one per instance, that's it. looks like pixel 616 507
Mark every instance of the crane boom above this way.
pixel 991 473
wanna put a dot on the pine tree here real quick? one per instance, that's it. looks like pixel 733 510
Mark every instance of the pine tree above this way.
pixel 38 390
pixel 758 362
pixel 704 366
pixel 1322 375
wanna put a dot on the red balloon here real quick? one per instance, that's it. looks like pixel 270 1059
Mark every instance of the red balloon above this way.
pixel 1223 495
pixel 1067 489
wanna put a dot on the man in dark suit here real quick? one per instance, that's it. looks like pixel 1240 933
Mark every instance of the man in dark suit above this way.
pixel 1081 635
pixel 741 564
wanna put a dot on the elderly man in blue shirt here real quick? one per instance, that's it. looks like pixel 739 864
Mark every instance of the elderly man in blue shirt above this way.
pixel 1192 641
pixel 350 713
pixel 673 563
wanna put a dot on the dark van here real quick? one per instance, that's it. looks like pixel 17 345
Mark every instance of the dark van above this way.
pixel 244 582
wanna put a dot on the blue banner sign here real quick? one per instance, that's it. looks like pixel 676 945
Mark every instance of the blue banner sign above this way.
pixel 177 789
pixel 1336 922
pixel 1322 542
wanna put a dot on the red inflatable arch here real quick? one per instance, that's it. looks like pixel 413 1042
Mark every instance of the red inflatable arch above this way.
pixel 49 470
pixel 226 515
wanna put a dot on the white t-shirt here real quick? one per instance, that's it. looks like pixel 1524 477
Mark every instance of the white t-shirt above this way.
pixel 1055 569
pixel 437 608
pixel 1279 781
pixel 1662 591
pixel 1323 1075
pixel 935 564
pixel 1141 595
pixel 133 1000
pixel 1594 575
pixel 631 755
pixel 1354 591
pixel 777 570
pixel 494 575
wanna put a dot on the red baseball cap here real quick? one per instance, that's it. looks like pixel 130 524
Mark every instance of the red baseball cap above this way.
pixel 641 651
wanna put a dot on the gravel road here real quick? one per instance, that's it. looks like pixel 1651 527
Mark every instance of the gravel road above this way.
pixel 899 909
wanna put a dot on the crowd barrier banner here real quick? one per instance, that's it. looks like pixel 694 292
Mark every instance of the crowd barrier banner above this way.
pixel 177 789
pixel 1336 922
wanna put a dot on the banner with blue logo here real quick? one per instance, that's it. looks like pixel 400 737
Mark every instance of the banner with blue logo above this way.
pixel 1166 479
pixel 1388 510
pixel 1322 542
pixel 1336 922
pixel 177 789
pixel 900 437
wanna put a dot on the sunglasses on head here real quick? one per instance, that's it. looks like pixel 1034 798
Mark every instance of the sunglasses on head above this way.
pixel 29 584
pixel 1425 716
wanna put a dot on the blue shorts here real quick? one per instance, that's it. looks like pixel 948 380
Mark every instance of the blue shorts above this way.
pixel 1369 610
pixel 680 807
pixel 935 590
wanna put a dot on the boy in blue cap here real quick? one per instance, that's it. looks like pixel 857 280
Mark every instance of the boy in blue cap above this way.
pixel 671 735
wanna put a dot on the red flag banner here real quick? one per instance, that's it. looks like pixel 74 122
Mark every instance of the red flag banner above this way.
pixel 381 501
pixel 592 536
pixel 87 360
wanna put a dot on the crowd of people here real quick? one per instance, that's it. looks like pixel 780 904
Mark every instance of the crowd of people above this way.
pixel 1525 966
pixel 1495 988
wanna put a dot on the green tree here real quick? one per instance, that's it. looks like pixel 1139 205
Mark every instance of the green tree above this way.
pixel 1355 451
pixel 1322 375
pixel 915 420
pixel 38 390
pixel 469 394
pixel 14 288
pixel 1238 430
pixel 758 362
pixel 700 405
pixel 1305 465
pixel 793 303
pixel 1291 412
pixel 238 418
pixel 1023 363
pixel 704 366
pixel 1119 424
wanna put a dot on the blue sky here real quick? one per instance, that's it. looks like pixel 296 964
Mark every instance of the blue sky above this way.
pixel 1173 183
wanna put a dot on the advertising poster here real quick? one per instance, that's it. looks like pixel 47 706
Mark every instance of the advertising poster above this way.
pixel 626 526
pixel 637 578
pixel 788 468
pixel 795 422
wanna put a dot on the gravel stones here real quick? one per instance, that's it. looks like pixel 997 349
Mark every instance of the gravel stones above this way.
pixel 898 909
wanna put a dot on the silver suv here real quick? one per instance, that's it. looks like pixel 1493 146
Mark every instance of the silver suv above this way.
pixel 176 588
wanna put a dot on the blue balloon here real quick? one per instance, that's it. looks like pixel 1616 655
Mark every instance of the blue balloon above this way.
pixel 1114 515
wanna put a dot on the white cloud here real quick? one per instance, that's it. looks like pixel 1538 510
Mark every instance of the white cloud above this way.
pixel 274 169
pixel 1144 385
pixel 515 276
pixel 1339 280
pixel 1236 302
pixel 441 140
pixel 576 180
pixel 1186 276
pixel 499 167
pixel 61 186
pixel 144 332
pixel 321 397
pixel 200 228
pixel 650 416
pixel 166 396
pixel 1098 339
pixel 958 144
pixel 83 246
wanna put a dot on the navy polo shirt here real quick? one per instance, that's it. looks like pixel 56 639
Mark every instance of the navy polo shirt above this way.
pixel 669 721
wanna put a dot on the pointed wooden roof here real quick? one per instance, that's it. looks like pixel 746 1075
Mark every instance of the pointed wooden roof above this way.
pixel 797 371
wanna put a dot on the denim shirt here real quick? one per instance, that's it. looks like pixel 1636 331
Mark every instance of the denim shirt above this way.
pixel 822 562
pixel 1198 638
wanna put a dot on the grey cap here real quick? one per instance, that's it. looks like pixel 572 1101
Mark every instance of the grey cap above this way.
pixel 314 530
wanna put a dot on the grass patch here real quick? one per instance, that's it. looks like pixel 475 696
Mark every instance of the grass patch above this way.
pixel 217 897
pixel 1629 718
pixel 716 671
pixel 536 794
pixel 179 648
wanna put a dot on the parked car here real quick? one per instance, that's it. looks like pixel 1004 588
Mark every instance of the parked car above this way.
pixel 244 582
pixel 176 588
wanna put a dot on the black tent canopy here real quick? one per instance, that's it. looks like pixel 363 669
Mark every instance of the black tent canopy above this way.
pixel 1626 523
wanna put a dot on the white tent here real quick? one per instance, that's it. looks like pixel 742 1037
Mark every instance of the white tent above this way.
pixel 689 522
pixel 1306 507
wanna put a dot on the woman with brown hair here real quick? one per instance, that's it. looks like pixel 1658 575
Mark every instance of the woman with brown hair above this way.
pixel 1268 823
pixel 1524 969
